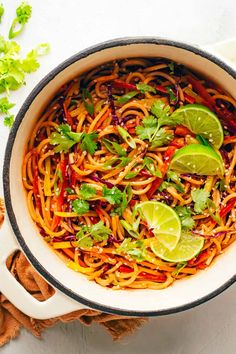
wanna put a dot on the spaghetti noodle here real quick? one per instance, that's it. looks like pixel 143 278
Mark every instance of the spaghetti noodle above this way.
pixel 86 168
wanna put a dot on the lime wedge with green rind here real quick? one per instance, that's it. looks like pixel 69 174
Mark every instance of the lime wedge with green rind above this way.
pixel 163 221
pixel 202 121
pixel 187 248
pixel 197 159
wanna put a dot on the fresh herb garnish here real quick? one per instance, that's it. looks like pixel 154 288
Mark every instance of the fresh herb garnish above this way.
pixel 65 139
pixel 162 137
pixel 146 131
pixel 88 101
pixel 135 250
pixel 88 235
pixel 1 12
pixel 9 120
pixel 127 137
pixel 171 66
pixel 112 195
pixel 23 14
pixel 80 206
pixel 172 96
pixel 215 215
pixel 200 198
pixel 86 191
pixel 142 87
pixel 131 229
pixel 179 267
pixel 70 190
pixel 125 98
pixel 5 105
pixel 126 197
pixel 185 216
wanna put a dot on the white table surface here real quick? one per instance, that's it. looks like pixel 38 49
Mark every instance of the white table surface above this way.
pixel 70 26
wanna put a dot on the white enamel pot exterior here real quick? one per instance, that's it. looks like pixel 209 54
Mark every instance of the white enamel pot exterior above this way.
pixel 73 290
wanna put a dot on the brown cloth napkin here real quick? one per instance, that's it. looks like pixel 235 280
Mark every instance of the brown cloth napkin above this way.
pixel 12 320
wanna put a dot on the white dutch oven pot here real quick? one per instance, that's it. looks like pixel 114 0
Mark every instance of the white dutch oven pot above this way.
pixel 73 290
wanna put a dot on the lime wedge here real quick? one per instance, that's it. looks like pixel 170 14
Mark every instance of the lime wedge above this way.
pixel 187 248
pixel 199 159
pixel 200 120
pixel 163 221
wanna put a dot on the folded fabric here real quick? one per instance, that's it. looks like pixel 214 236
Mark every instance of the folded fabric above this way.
pixel 12 320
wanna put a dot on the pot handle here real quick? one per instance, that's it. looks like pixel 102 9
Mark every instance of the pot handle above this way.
pixel 225 50
pixel 57 305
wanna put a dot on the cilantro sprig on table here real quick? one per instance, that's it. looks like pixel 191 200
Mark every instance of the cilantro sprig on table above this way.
pixel 14 67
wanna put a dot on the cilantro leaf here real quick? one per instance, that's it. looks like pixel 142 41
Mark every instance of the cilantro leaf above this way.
pixel 112 195
pixel 70 191
pixel 86 191
pixel 185 216
pixel 172 96
pixel 9 120
pixel 88 235
pixel 162 138
pixel 80 206
pixel 135 250
pixel 23 14
pixel 145 88
pixel 30 63
pixel 5 105
pixel 88 144
pixel 200 198
pixel 160 110
pixel 65 139
pixel 149 127
pixel 1 12
pixel 126 197
pixel 125 98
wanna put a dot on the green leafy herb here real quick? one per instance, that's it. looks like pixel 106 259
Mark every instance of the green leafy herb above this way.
pixel 185 216
pixel 70 191
pixel 112 195
pixel 221 185
pixel 88 235
pixel 23 13
pixel 117 162
pixel 88 101
pixel 88 144
pixel 127 137
pixel 114 147
pixel 65 139
pixel 5 105
pixel 125 98
pixel 179 267
pixel 200 198
pixel 30 63
pixel 126 197
pixel 162 112
pixel 80 206
pixel 162 137
pixel 166 185
pixel 135 250
pixel 86 191
pixel 1 12
pixel 146 131
pixel 9 120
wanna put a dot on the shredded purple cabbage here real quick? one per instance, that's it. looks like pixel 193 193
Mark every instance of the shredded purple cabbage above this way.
pixel 217 234
pixel 115 119
pixel 69 238
pixel 95 178
pixel 111 239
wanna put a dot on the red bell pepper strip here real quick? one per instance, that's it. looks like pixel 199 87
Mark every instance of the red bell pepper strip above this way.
pixel 178 142
pixel 123 85
pixel 125 269
pixel 158 181
pixel 229 206
pixel 229 139
pixel 189 98
pixel 182 131
pixel 161 89
pixel 161 278
pixel 199 259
